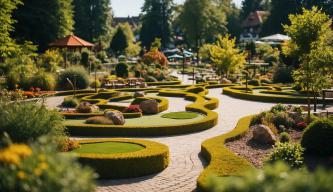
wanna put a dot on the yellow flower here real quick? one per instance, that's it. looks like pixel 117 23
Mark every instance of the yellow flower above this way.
pixel 37 171
pixel 43 166
pixel 14 153
pixel 21 149
pixel 9 158
pixel 41 157
pixel 21 175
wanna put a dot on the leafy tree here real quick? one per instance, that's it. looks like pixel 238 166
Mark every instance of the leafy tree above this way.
pixel 249 6
pixel 310 33
pixel 226 56
pixel 119 42
pixel 7 44
pixel 156 22
pixel 133 48
pixel 156 43
pixel 280 9
pixel 43 21
pixel 201 21
pixel 325 5
pixel 92 19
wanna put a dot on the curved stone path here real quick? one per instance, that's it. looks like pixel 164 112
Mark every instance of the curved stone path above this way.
pixel 185 163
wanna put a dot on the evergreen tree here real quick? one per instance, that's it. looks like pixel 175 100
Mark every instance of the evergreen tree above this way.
pixel 325 5
pixel 156 22
pixel 6 27
pixel 280 10
pixel 43 21
pixel 119 42
pixel 92 19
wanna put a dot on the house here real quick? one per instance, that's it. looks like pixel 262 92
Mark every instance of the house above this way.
pixel 252 26
pixel 132 21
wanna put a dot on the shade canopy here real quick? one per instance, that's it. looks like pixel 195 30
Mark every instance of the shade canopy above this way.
pixel 276 37
pixel 71 41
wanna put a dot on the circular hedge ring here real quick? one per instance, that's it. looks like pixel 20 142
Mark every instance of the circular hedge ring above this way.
pixel 153 157
pixel 180 115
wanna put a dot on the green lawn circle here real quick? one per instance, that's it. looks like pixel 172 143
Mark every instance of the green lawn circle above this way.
pixel 108 147
pixel 180 115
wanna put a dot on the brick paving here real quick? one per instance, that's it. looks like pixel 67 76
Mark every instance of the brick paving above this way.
pixel 185 163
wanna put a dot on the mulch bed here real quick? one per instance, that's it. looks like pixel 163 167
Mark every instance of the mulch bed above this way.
pixel 257 153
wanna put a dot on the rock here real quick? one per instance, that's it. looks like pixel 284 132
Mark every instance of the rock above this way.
pixel 225 81
pixel 149 106
pixel 263 134
pixel 115 116
pixel 139 94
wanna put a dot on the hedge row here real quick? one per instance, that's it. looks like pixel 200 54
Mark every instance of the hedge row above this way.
pixel 154 158
pixel 237 93
pixel 222 161
pixel 163 83
pixel 201 105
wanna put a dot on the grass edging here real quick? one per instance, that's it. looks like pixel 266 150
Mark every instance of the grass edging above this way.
pixel 153 159
pixel 222 161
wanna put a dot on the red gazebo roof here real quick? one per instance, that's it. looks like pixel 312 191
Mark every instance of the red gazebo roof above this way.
pixel 71 41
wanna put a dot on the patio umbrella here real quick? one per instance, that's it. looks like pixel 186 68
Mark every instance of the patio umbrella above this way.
pixel 276 37
pixel 175 56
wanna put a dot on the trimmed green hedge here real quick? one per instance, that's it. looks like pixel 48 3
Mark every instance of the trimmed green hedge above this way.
pixel 240 94
pixel 201 105
pixel 153 159
pixel 163 83
pixel 222 161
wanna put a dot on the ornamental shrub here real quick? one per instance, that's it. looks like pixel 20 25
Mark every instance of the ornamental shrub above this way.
pixel 84 107
pixel 318 137
pixel 70 102
pixel 276 177
pixel 254 82
pixel 122 70
pixel 282 118
pixel 94 83
pixel 290 153
pixel 257 119
pixel 44 81
pixel 76 72
pixel 284 137
pixel 41 168
pixel 282 74
pixel 26 121
pixel 278 108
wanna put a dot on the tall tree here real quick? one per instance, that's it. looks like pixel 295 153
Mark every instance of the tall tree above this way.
pixel 43 21
pixel 280 10
pixel 92 19
pixel 325 5
pixel 201 22
pixel 156 22
pixel 119 42
pixel 6 27
pixel 249 6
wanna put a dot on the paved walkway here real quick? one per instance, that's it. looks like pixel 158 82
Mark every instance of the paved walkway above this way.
pixel 185 165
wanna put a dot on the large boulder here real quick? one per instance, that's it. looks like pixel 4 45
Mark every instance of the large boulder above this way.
pixel 149 106
pixel 225 81
pixel 263 134
pixel 139 94
pixel 115 116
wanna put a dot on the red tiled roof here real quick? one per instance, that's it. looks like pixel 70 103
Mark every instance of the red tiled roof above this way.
pixel 255 18
pixel 71 41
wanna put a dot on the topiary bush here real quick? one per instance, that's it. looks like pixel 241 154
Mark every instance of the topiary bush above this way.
pixel 282 118
pixel 278 108
pixel 84 107
pixel 290 153
pixel 254 82
pixel 318 137
pixel 122 70
pixel 44 81
pixel 70 102
pixel 76 72
pixel 282 74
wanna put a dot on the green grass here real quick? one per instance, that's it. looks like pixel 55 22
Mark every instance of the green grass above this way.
pixel 108 147
pixel 180 115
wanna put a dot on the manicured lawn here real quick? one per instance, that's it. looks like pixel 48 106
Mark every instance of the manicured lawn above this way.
pixel 181 115
pixel 108 147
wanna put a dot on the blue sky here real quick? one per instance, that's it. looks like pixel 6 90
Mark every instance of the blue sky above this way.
pixel 124 8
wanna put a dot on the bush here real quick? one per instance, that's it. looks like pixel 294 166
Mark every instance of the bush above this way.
pixel 80 74
pixel 257 119
pixel 84 107
pixel 278 108
pixel 297 87
pixel 284 137
pixel 42 168
pixel 277 177
pixel 290 153
pixel 150 79
pixel 122 70
pixel 44 81
pixel 94 83
pixel 70 102
pixel 266 81
pixel 283 119
pixel 26 122
pixel 101 120
pixel 254 82
pixel 282 74
pixel 318 137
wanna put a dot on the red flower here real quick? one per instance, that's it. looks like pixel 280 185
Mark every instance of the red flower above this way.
pixel 132 109
pixel 301 125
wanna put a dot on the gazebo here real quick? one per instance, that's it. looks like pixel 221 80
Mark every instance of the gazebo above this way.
pixel 71 43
